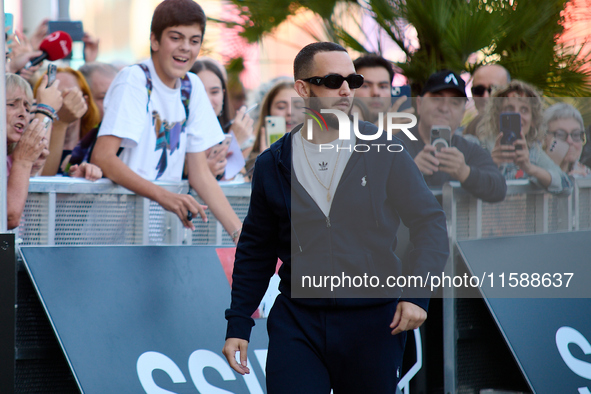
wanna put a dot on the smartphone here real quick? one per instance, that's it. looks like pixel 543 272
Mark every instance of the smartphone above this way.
pixel 73 28
pixel 557 150
pixel 8 23
pixel 441 137
pixel 274 128
pixel 221 145
pixel 510 126
pixel 8 26
pixel 399 91
pixel 226 144
pixel 51 73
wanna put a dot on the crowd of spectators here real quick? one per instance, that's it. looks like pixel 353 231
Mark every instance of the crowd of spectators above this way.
pixel 53 130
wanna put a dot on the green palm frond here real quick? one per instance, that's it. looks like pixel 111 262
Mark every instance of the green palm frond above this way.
pixel 521 35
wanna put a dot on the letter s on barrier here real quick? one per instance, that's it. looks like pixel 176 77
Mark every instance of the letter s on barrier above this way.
pixel 564 337
pixel 150 361
pixel 202 358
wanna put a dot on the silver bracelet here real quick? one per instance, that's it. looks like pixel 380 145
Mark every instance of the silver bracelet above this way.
pixel 46 121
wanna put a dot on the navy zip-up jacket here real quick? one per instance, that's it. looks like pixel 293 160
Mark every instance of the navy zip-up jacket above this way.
pixel 376 190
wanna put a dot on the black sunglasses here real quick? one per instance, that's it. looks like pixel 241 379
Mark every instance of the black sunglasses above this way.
pixel 335 81
pixel 480 89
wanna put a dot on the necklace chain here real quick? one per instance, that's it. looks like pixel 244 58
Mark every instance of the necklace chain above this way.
pixel 314 172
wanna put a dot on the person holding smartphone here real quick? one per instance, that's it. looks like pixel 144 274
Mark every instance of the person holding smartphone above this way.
pixel 442 104
pixel 27 138
pixel 524 158
pixel 214 82
pixel 278 101
pixel 564 136
pixel 77 117
pixel 376 91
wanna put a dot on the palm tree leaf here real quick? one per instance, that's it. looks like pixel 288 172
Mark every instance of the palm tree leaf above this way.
pixel 520 35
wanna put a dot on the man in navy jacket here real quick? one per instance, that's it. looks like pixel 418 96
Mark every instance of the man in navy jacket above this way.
pixel 350 340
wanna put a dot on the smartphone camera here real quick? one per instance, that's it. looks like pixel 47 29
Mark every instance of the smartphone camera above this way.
pixel 399 91
pixel 440 137
pixel 51 74
pixel 510 125
pixel 440 143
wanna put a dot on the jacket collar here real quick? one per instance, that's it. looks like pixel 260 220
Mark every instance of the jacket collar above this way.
pixel 282 150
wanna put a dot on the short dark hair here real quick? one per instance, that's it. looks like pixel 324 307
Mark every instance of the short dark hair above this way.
pixel 302 64
pixel 176 13
pixel 374 60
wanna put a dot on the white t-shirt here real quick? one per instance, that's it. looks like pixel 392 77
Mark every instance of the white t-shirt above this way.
pixel 315 166
pixel 152 138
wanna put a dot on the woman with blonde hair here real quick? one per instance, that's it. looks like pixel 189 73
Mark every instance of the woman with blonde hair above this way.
pixel 27 132
pixel 524 157
pixel 78 115
pixel 277 102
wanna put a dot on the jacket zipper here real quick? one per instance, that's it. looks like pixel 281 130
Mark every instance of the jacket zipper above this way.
pixel 328 226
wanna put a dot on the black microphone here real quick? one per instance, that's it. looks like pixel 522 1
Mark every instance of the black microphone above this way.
pixel 55 46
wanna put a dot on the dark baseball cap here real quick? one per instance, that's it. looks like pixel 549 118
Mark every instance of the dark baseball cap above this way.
pixel 445 79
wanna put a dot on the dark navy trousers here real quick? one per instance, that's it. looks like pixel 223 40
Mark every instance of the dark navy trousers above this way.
pixel 312 350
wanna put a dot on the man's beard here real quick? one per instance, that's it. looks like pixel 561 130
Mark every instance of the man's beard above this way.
pixel 331 119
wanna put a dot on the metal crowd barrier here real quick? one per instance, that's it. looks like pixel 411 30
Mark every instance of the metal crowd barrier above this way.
pixel 582 204
pixel 526 210
pixel 67 211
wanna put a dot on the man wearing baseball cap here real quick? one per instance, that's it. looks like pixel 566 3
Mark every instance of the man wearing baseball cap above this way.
pixel 442 103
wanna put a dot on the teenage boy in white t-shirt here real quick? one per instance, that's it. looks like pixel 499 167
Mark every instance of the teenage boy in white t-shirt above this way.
pixel 151 127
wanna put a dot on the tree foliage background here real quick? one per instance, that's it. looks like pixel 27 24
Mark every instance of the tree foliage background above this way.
pixel 521 35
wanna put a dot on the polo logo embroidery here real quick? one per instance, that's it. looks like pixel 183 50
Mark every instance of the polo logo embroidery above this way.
pixel 323 166
pixel 363 181
pixel 451 78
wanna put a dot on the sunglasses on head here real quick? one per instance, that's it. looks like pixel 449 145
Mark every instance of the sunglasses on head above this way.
pixel 335 81
pixel 480 89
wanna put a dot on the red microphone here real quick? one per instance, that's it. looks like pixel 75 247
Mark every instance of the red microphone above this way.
pixel 55 46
